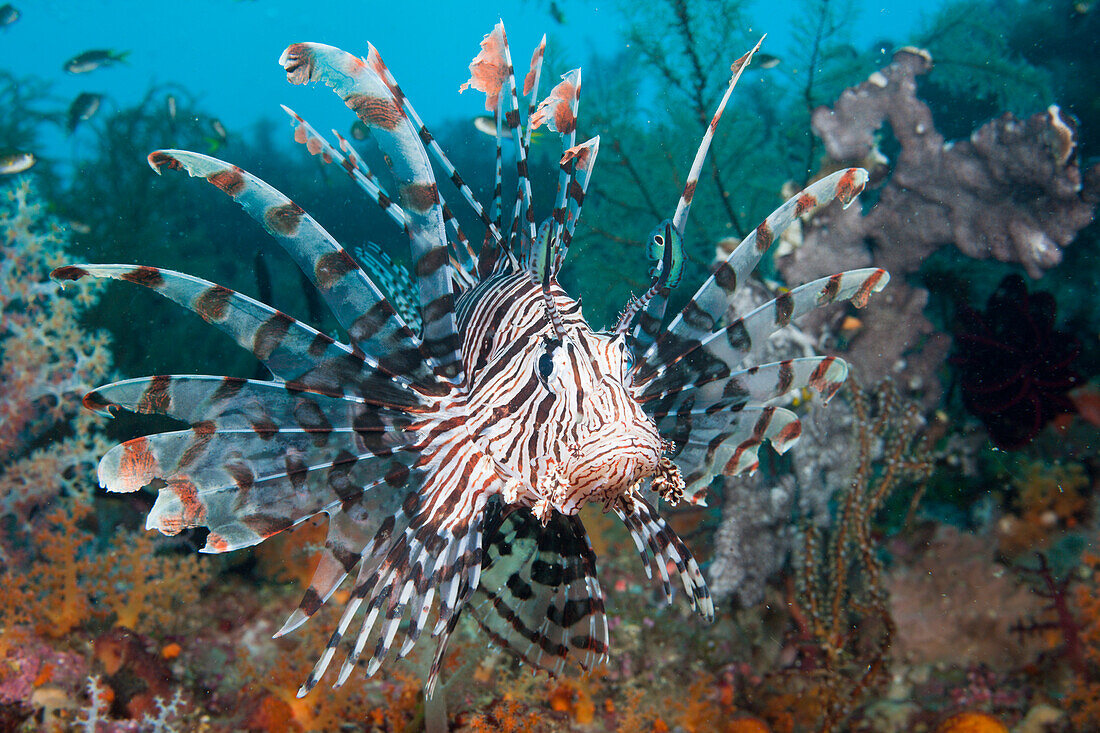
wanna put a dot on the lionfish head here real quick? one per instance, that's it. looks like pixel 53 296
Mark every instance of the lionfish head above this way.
pixel 609 444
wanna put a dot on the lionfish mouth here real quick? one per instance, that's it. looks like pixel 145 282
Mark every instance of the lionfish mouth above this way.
pixel 604 466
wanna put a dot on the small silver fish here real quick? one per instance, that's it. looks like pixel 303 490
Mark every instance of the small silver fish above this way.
pixel 171 102
pixel 217 139
pixel 16 162
pixel 92 60
pixel 766 61
pixel 83 108
pixel 487 125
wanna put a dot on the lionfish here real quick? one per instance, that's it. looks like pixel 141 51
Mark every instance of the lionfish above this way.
pixel 452 460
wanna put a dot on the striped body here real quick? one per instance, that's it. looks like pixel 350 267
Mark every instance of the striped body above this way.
pixel 557 413
pixel 451 458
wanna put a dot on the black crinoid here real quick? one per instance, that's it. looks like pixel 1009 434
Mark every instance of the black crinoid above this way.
pixel 1015 368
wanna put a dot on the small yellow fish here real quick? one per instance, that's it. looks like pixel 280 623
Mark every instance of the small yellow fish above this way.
pixel 16 162
pixel 851 323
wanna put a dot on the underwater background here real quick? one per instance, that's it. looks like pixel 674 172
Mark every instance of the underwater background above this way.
pixel 925 559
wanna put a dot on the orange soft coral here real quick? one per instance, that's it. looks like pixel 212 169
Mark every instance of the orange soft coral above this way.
pixel 971 723
pixel 1084 699
pixel 1049 500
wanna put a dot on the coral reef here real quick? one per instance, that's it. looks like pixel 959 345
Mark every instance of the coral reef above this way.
pixel 966 192
pixel 1049 499
pixel 1084 699
pixel 47 362
pixel 1012 191
pixel 939 595
pixel 839 575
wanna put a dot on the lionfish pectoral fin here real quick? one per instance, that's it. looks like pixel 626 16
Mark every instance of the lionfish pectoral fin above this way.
pixel 539 597
pixel 343 284
pixel 431 547
pixel 716 351
pixel 728 443
pixel 345 541
pixel 756 385
pixel 293 351
pixel 659 546
pixel 706 309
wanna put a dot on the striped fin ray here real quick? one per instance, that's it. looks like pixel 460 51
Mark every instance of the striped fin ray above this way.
pixel 707 445
pixel 653 302
pixel 404 574
pixel 347 539
pixel 433 548
pixel 467 256
pixel 357 303
pixel 755 385
pixel 247 486
pixel 660 547
pixel 539 596
pixel 710 302
pixel 351 164
pixel 488 71
pixel 358 170
pixel 581 159
pixel 232 403
pixel 293 351
pixel 576 167
pixel 360 84
pixel 498 183
pixel 531 87
pixel 676 361
pixel 524 208
pixel 559 113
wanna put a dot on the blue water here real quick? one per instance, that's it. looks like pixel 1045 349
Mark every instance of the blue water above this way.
pixel 225 52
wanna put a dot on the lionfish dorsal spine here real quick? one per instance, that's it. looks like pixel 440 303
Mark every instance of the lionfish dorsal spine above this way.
pixel 351 164
pixel 669 251
pixel 531 88
pixel 360 83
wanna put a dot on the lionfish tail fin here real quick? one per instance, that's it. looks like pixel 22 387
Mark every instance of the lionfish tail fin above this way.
pixel 539 597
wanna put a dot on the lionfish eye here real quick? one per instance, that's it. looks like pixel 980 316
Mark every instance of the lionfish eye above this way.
pixel 546 360
pixel 546 365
